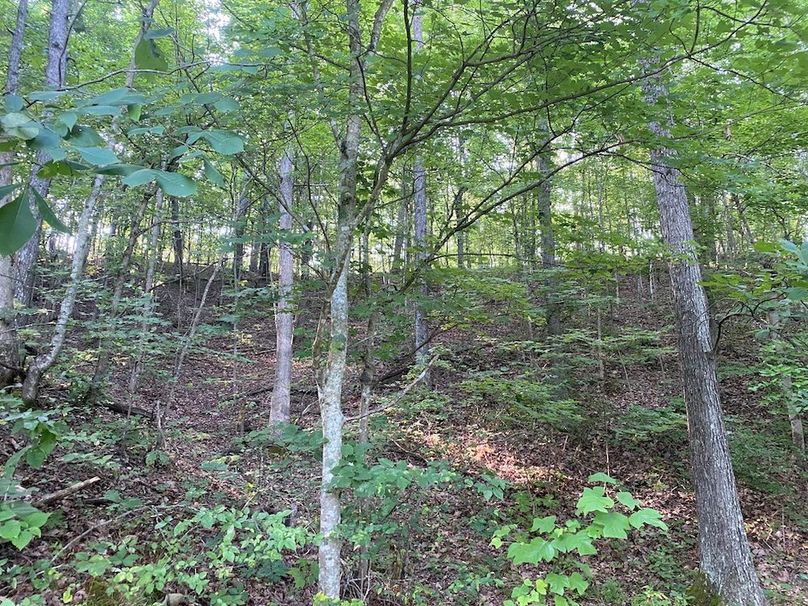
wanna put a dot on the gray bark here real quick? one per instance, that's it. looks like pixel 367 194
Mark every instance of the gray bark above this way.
pixel 240 221
pixel 548 244
pixel 42 362
pixel 724 553
pixel 9 355
pixel 787 387
pixel 420 203
pixel 284 313
pixel 54 78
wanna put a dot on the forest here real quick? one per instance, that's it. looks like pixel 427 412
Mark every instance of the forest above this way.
pixel 404 302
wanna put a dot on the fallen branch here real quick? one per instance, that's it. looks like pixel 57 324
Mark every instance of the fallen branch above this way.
pixel 60 494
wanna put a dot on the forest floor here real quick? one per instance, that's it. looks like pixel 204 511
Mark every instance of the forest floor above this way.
pixel 617 409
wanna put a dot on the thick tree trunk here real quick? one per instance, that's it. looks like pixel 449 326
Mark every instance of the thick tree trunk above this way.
pixel 55 68
pixel 724 552
pixel 42 362
pixel 9 354
pixel 284 314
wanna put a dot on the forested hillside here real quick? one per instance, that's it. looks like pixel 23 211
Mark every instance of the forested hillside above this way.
pixel 404 302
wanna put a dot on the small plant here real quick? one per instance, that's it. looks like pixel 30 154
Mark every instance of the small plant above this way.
pixel 604 513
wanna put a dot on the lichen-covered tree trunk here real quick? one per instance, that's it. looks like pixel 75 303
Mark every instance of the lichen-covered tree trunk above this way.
pixel 284 313
pixel 724 553
pixel 55 68
pixel 9 356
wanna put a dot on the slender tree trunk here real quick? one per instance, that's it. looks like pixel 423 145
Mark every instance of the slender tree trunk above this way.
pixel 401 230
pixel 153 254
pixel 786 384
pixel 42 362
pixel 420 203
pixel 241 221
pixel 26 257
pixel 9 354
pixel 284 313
pixel 725 556
pixel 548 246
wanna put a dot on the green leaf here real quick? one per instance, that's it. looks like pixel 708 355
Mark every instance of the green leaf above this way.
pixel 99 156
pixel 13 103
pixel 22 539
pixel 213 175
pixel 10 529
pixel 140 177
pixel 627 499
pixel 222 141
pixel 557 582
pixel 545 524
pixel 601 478
pixel 175 184
pixel 593 499
pixel 148 56
pixel 613 524
pixel 649 517
pixel 17 224
pixel 7 189
pixel 47 214
pixel 578 583
pixel 531 553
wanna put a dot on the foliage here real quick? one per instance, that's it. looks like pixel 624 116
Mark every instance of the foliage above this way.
pixel 563 546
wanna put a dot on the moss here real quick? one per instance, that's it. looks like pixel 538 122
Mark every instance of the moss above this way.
pixel 701 594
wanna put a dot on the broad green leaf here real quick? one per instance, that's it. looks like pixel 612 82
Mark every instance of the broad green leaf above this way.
pixel 175 184
pixel 557 582
pixel 7 189
pixel 13 103
pixel 536 551
pixel 99 156
pixel 10 529
pixel 222 141
pixel 593 499
pixel 545 524
pixel 578 583
pixel 601 478
pixel 148 56
pixel 627 499
pixel 649 517
pixel 613 524
pixel 17 224
pixel 22 540
pixel 47 214
pixel 213 175
pixel 140 177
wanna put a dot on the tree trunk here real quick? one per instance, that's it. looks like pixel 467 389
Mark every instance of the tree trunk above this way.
pixel 284 314
pixel 548 245
pixel 54 78
pixel 420 211
pixel 9 354
pixel 786 384
pixel 725 556
pixel 42 362
pixel 241 221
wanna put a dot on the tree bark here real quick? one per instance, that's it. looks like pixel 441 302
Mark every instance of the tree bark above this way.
pixel 284 313
pixel 724 553
pixel 26 257
pixel 9 354
pixel 42 362
pixel 420 210
pixel 548 245
pixel 241 220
